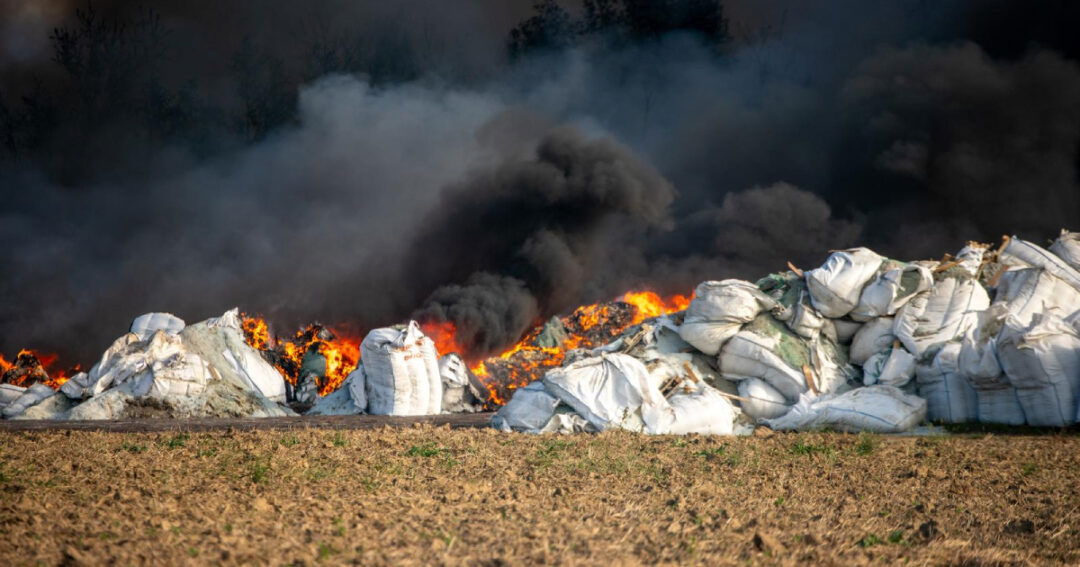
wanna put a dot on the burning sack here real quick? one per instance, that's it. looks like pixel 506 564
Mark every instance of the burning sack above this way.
pixel 877 409
pixel 205 370
pixel 1042 361
pixel 401 369
pixel 349 399
pixel 835 287
pixel 462 391
pixel 719 310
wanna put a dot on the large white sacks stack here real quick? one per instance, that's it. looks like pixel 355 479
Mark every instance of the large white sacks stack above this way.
pixel 1042 361
pixel 950 398
pixel 878 409
pixel 401 368
pixel 835 287
pixel 1023 253
pixel 767 349
pixel 718 310
pixel 220 342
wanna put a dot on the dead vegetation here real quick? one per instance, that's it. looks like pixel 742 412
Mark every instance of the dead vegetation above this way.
pixel 434 495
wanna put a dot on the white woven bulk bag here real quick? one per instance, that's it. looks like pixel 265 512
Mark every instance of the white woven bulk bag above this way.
pixel 609 390
pixel 1042 361
pixel 401 369
pixel 719 309
pixel 1067 247
pixel 835 287
pixel 529 410
pixel 760 400
pixel 876 409
pixel 874 337
pixel 894 285
pixel 145 325
pixel 1029 291
pixel 949 397
pixel 947 312
pixel 1023 253
pixel 892 367
pixel 703 411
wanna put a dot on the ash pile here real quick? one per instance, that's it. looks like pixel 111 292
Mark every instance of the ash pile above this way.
pixel 861 343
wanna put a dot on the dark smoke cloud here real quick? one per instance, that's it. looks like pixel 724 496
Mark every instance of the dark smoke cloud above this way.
pixel 541 223
pixel 431 176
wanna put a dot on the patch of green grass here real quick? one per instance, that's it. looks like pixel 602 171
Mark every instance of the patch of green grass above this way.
pixel 869 540
pixel 132 448
pixel 325 551
pixel 290 441
pixel 549 452
pixel 339 440
pixel 866 445
pixel 1028 469
pixel 896 537
pixel 206 453
pixel 779 502
pixel 804 449
pixel 176 441
pixel 192 552
pixel 429 449
pixel 259 472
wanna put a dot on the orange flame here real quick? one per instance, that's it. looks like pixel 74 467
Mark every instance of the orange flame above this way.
pixel 30 367
pixel 342 354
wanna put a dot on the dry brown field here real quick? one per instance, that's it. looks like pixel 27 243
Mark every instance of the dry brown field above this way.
pixel 432 495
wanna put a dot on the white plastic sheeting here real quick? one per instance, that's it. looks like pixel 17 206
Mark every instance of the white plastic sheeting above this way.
pixel 220 342
pixel 529 410
pixel 719 310
pixel 402 372
pixel 836 286
pixel 1042 361
pixel 146 325
pixel 30 397
pixel 878 409
pixel 950 398
pixel 703 411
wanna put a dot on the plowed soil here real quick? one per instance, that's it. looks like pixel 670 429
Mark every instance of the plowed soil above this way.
pixel 427 495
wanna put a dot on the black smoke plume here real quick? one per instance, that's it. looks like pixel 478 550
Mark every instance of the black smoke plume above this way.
pixel 362 162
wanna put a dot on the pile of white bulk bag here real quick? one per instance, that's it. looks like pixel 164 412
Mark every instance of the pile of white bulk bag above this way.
pixel 761 401
pixel 892 287
pixel 947 312
pixel 401 369
pixel 607 390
